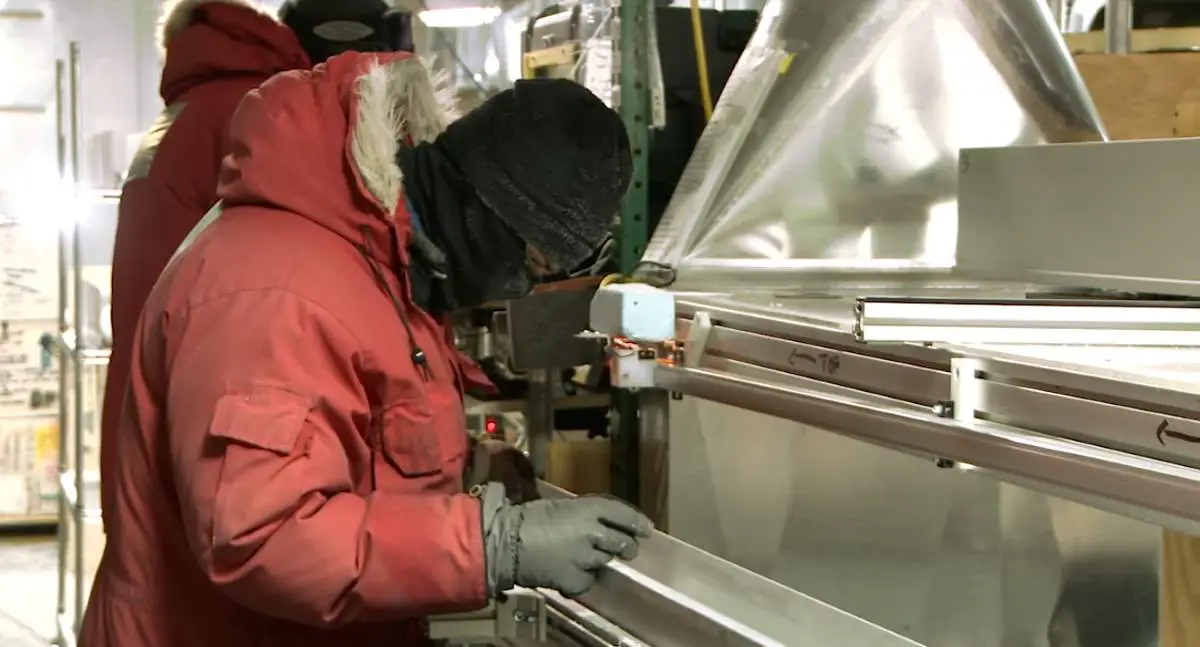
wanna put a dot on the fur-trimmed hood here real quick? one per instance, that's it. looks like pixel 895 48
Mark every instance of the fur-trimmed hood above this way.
pixel 207 40
pixel 323 143
pixel 178 14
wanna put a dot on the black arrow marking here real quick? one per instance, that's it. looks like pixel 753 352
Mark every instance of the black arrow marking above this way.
pixel 797 355
pixel 1164 431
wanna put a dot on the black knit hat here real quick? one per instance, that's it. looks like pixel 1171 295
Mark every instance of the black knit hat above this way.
pixel 551 160
pixel 327 28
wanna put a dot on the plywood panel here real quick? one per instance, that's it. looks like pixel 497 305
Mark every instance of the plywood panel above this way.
pixel 1138 95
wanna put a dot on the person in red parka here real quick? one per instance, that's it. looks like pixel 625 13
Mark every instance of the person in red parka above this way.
pixel 292 455
pixel 215 52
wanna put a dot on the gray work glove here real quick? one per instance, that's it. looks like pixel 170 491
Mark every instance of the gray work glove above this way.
pixel 557 544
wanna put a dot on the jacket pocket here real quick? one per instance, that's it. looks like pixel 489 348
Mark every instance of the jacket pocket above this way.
pixel 265 418
pixel 262 435
pixel 410 440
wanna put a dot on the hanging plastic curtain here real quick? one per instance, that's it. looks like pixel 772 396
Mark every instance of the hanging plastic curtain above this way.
pixel 833 152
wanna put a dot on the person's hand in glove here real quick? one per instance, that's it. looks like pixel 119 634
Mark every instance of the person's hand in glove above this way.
pixel 557 544
pixel 494 461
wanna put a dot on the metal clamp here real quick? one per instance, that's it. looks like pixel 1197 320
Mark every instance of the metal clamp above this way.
pixel 517 615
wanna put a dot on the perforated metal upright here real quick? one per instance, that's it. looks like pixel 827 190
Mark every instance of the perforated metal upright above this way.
pixel 633 102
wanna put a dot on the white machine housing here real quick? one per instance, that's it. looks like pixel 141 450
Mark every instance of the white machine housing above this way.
pixel 634 318
pixel 634 311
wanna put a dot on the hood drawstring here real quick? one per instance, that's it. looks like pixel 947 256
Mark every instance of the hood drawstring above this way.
pixel 419 359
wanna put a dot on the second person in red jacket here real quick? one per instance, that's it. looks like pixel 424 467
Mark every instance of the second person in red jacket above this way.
pixel 215 52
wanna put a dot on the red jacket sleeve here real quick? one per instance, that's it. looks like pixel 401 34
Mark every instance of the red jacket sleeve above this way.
pixel 265 419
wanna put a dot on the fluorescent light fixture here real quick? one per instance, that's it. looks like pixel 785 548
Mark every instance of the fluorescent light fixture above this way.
pixel 459 17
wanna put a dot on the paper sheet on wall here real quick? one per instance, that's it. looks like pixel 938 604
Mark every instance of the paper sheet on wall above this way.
pixel 28 372
pixel 28 453
pixel 14 495
pixel 28 272
pixel 598 69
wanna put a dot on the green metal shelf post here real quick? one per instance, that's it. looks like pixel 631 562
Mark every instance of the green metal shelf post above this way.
pixel 634 106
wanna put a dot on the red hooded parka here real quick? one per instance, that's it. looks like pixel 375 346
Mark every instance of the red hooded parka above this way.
pixel 216 51
pixel 291 452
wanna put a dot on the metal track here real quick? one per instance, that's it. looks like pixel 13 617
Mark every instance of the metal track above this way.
pixel 676 595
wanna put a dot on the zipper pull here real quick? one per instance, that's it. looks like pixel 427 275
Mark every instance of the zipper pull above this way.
pixel 422 364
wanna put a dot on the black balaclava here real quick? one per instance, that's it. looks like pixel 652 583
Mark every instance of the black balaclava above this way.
pixel 545 164
pixel 462 254
pixel 551 160
pixel 327 28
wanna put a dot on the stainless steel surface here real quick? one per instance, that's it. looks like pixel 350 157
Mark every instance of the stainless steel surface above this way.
pixel 574 624
pixel 1155 421
pixel 1118 26
pixel 947 557
pixel 675 595
pixel 833 152
pixel 1115 215
pixel 1090 470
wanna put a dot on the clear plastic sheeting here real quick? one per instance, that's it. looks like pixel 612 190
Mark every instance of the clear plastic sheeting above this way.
pixel 832 155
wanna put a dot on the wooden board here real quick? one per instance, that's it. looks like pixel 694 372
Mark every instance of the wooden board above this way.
pixel 1172 39
pixel 1179 599
pixel 1138 95
pixel 579 464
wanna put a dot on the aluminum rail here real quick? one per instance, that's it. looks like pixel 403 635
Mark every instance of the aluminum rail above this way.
pixel 1026 321
pixel 676 595
pixel 1071 469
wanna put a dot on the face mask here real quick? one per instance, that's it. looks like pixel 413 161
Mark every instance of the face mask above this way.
pixel 480 258
pixel 489 262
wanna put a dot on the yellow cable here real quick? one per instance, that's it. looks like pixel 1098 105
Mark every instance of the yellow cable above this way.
pixel 701 60
pixel 610 279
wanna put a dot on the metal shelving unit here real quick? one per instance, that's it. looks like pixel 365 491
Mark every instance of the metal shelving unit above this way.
pixel 81 379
